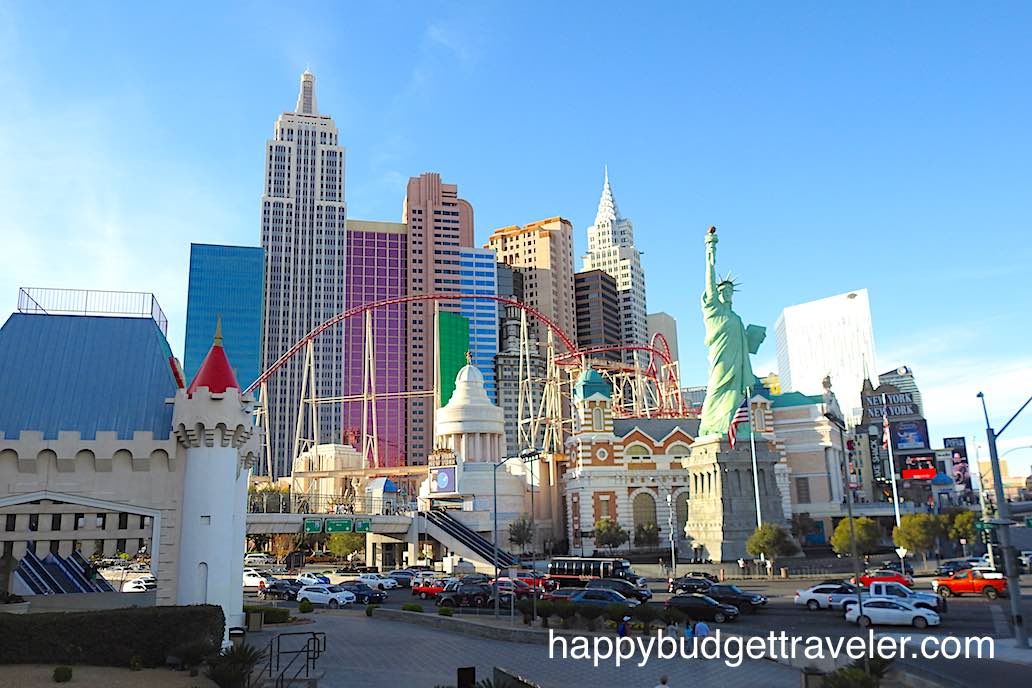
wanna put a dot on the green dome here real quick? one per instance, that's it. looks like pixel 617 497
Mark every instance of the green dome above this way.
pixel 589 383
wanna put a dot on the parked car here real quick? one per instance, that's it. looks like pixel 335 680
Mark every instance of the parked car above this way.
pixel 428 587
pixel 1025 558
pixel 280 589
pixel 602 597
pixel 259 559
pixel 534 579
pixel 696 606
pixel 896 591
pixel 884 576
pixel 690 584
pixel 322 557
pixel 475 578
pixel 363 593
pixel 517 587
pixel 628 590
pixel 825 595
pixel 948 568
pixel 331 595
pixel 256 579
pixel 894 565
pixel 747 602
pixel 560 594
pixel 992 585
pixel 701 574
pixel 404 577
pixel 378 581
pixel 894 612
pixel 468 595
pixel 310 578
pixel 141 584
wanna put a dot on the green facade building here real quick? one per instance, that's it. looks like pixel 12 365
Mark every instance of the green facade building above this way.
pixel 452 345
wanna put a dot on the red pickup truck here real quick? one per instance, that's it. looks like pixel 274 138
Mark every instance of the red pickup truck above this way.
pixel 992 585
pixel 429 587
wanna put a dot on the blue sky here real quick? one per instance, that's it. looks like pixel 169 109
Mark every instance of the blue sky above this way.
pixel 883 146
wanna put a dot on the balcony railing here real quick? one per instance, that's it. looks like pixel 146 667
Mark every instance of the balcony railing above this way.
pixel 49 301
pixel 278 503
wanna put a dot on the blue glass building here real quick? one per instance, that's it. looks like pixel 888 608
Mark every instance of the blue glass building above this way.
pixel 478 274
pixel 225 281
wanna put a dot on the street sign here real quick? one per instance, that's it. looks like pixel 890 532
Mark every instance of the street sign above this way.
pixel 363 525
pixel 339 525
pixel 313 525
pixel 901 551
pixel 982 525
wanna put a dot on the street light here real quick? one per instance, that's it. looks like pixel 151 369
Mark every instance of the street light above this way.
pixel 527 456
pixel 1003 521
pixel 844 470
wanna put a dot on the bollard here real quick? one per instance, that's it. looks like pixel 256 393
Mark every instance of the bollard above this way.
pixel 784 572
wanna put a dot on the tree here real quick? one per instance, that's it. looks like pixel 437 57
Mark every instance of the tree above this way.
pixel 772 541
pixel 646 535
pixel 282 545
pixel 345 544
pixel 963 527
pixel 647 614
pixel 917 532
pixel 802 526
pixel 521 531
pixel 609 534
pixel 868 536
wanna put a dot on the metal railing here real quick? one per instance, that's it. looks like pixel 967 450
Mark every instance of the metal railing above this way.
pixel 297 660
pixel 50 301
pixel 279 503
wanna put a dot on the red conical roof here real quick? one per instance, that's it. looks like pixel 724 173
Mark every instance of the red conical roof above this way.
pixel 215 372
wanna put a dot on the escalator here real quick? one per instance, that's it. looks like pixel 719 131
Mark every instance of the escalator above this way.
pixel 56 575
pixel 81 566
pixel 458 537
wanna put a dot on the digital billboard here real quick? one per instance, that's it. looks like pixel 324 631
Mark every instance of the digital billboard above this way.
pixel 442 480
pixel 908 435
pixel 920 467
pixel 961 469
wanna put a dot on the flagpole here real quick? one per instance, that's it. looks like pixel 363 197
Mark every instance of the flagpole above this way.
pixel 892 474
pixel 755 472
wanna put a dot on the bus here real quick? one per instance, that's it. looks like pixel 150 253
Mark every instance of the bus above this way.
pixel 577 571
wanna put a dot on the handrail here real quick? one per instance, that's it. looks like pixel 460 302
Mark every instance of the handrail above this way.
pixel 313 647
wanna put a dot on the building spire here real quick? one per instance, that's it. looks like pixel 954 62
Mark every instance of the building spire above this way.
pixel 306 95
pixel 218 330
pixel 607 209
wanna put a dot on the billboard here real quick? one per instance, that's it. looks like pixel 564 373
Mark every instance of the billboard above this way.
pixel 919 467
pixel 442 480
pixel 908 435
pixel 893 404
pixel 961 469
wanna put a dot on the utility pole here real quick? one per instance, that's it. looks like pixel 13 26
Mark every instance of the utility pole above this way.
pixel 1003 524
pixel 844 469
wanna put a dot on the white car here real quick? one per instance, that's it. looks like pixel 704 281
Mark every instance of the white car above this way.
pixel 309 578
pixel 378 581
pixel 256 579
pixel 883 611
pixel 1025 557
pixel 141 584
pixel 825 596
pixel 259 559
pixel 330 595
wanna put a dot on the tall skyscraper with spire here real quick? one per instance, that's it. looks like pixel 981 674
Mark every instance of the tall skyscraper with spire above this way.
pixel 611 249
pixel 304 236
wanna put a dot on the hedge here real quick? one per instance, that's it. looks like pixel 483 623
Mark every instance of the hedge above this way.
pixel 270 615
pixel 110 637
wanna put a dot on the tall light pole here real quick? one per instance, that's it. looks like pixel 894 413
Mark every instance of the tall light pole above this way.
pixel 844 471
pixel 527 455
pixel 1003 524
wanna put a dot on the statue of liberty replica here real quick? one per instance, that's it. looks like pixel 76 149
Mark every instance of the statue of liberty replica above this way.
pixel 732 477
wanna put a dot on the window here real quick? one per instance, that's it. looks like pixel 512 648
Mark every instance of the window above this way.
pixel 802 486
pixel 596 418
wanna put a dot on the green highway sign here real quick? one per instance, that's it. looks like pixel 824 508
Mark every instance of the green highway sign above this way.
pixel 982 525
pixel 313 525
pixel 339 525
pixel 363 525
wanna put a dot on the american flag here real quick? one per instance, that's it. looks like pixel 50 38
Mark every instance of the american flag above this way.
pixel 885 430
pixel 741 416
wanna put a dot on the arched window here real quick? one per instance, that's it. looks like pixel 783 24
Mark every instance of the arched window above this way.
pixel 678 451
pixel 644 509
pixel 681 514
pixel 596 418
pixel 636 452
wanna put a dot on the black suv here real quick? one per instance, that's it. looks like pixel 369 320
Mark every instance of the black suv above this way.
pixel 282 589
pixel 746 602
pixel 628 590
pixel 469 595
pixel 363 593
pixel 697 607
pixel 690 584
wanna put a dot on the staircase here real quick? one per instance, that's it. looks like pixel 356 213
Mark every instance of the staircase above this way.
pixel 461 539
pixel 57 575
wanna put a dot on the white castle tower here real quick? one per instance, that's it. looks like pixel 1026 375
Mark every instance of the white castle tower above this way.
pixel 211 421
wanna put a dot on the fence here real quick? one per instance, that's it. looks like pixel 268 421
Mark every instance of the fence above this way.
pixel 48 301
pixel 280 503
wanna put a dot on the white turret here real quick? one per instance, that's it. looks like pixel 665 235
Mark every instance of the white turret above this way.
pixel 469 424
pixel 211 421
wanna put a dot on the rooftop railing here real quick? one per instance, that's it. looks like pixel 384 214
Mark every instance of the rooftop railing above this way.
pixel 51 301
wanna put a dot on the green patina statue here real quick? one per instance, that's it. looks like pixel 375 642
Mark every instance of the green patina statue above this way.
pixel 730 342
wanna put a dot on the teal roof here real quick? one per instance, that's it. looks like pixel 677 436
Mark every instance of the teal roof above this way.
pixel 590 383
pixel 795 399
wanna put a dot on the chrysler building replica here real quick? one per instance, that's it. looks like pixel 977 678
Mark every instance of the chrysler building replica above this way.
pixel 611 250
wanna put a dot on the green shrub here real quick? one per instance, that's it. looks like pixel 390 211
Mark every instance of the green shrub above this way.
pixel 62 674
pixel 526 607
pixel 671 615
pixel 270 615
pixel 565 611
pixel 616 612
pixel 411 607
pixel 305 607
pixel 112 637
pixel 233 666
pixel 191 654
pixel 445 611
pixel 545 609
pixel 370 608
pixel 590 614
pixel 647 614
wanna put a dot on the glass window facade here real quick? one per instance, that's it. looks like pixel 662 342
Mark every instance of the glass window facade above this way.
pixel 225 281
pixel 479 275
pixel 453 335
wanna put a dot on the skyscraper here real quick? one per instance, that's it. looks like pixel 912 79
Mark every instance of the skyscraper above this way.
pixel 377 260
pixel 439 223
pixel 598 312
pixel 666 325
pixel 225 282
pixel 902 378
pixel 304 237
pixel 828 337
pixel 611 249
pixel 507 375
pixel 478 274
pixel 543 253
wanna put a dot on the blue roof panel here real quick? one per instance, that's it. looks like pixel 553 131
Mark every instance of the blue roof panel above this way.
pixel 84 373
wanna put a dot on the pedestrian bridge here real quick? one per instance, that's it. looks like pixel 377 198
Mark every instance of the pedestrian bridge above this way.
pixel 381 524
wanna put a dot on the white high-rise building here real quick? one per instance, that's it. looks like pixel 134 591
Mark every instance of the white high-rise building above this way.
pixel 611 250
pixel 304 220
pixel 828 337
pixel 666 325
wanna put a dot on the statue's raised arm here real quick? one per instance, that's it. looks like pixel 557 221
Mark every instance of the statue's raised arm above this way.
pixel 711 264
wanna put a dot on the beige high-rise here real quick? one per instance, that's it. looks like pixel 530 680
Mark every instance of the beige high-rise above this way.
pixel 543 253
